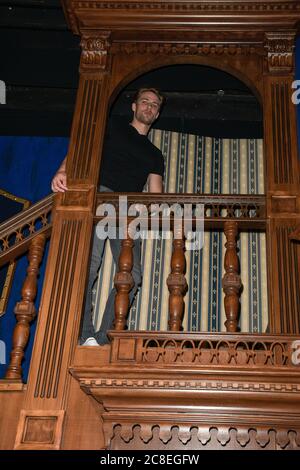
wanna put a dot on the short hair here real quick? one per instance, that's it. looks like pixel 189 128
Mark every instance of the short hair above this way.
pixel 153 90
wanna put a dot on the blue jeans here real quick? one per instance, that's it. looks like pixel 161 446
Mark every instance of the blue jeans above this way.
pixel 88 329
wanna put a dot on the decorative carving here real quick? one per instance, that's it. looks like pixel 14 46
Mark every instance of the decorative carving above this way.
pixel 94 54
pixel 190 437
pixel 25 310
pixel 184 48
pixel 201 385
pixel 280 48
pixel 281 129
pixel 204 350
pixel 85 132
pixel 231 281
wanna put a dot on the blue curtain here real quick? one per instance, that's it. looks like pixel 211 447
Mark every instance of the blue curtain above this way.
pixel 26 168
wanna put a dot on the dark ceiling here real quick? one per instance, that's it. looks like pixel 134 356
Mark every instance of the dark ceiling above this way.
pixel 39 65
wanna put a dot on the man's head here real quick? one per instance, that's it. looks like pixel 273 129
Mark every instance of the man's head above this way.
pixel 146 105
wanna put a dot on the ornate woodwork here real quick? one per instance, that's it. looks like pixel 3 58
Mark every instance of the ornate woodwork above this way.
pixel 226 391
pixel 231 281
pixel 173 389
pixel 17 233
pixel 176 281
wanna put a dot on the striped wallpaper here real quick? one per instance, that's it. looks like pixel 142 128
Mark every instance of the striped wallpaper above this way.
pixel 195 164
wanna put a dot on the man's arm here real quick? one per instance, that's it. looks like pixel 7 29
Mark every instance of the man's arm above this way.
pixel 155 183
pixel 59 182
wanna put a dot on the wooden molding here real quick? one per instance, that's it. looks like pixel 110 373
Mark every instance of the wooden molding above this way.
pixel 130 15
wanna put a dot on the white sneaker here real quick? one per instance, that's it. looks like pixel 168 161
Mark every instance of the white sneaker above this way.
pixel 91 341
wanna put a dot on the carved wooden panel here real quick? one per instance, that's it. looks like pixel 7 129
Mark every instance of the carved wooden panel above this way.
pixel 192 437
pixel 39 429
pixel 280 47
pixel 281 131
pixel 202 350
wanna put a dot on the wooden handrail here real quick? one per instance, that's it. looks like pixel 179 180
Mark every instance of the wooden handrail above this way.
pixel 17 232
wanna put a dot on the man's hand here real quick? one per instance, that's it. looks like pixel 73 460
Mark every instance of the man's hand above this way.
pixel 59 182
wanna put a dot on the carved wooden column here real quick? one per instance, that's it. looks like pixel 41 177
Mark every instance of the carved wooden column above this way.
pixel 231 281
pixel 123 283
pixel 176 282
pixel 281 153
pixel 25 310
pixel 67 267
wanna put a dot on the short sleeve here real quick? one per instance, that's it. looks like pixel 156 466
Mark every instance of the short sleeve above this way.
pixel 159 166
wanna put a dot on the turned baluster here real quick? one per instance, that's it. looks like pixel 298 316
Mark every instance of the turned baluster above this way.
pixel 231 281
pixel 25 310
pixel 123 283
pixel 176 283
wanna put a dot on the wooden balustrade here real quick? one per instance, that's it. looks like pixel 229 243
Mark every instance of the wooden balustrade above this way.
pixel 123 283
pixel 17 232
pixel 231 281
pixel 176 282
pixel 25 310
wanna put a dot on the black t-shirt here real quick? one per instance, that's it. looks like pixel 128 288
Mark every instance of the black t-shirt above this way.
pixel 128 158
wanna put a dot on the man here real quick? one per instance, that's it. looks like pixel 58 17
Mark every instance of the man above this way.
pixel 129 161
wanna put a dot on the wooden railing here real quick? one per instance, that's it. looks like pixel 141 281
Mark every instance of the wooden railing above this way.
pixel 228 213
pixel 17 233
pixel 26 231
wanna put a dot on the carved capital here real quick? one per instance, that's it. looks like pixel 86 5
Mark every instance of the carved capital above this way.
pixel 280 51
pixel 124 281
pixel 231 281
pixel 95 51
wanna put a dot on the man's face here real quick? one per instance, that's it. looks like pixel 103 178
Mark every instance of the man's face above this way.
pixel 146 109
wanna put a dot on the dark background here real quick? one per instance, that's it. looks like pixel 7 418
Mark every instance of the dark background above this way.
pixel 39 64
